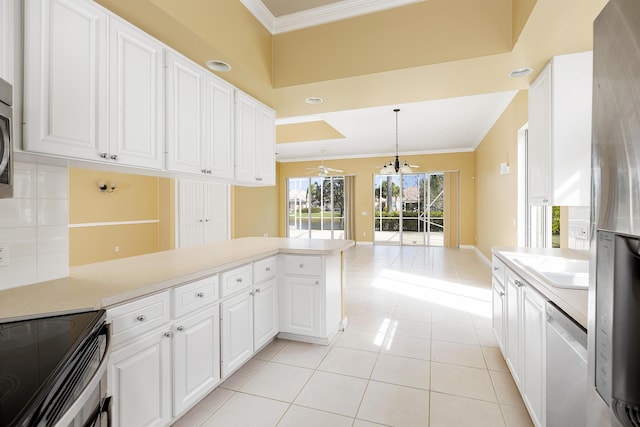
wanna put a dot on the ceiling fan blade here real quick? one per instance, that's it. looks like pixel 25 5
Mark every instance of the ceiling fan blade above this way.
pixel 333 170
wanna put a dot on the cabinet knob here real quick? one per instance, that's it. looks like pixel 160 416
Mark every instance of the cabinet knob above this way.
pixel 545 200
pixel 519 283
pixel 114 157
pixel 209 171
pixel 168 334
pixel 267 269
pixel 207 220
pixel 200 220
pixel 495 269
pixel 317 282
pixel 203 170
pixel 252 293
pixel 104 155
pixel 141 318
pixel 180 328
pixel 200 294
pixel 257 290
pixel 301 266
pixel 258 179
pixel 501 294
pixel 239 280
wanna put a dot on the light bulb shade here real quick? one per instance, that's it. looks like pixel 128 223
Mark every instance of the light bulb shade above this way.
pixel 405 168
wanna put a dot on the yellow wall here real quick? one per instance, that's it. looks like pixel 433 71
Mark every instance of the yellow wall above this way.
pixel 364 169
pixel 136 198
pixel 254 212
pixel 496 195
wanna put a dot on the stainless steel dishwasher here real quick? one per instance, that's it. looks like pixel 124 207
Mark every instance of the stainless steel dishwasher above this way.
pixel 566 370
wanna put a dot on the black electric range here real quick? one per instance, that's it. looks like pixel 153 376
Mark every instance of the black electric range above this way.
pixel 42 363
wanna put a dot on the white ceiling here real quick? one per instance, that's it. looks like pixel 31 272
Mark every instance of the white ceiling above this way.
pixel 446 125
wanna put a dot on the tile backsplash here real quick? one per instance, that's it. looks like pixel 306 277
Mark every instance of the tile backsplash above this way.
pixel 578 223
pixel 34 226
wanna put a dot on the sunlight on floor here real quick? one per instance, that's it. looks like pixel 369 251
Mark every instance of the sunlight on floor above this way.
pixel 471 299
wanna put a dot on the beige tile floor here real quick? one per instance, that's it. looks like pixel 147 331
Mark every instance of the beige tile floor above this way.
pixel 419 351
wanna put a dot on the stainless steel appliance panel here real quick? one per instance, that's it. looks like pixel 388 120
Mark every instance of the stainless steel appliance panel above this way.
pixel 6 143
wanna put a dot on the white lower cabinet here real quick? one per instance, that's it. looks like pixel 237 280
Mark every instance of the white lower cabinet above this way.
pixel 140 381
pixel 499 309
pixel 301 314
pixel 196 357
pixel 265 313
pixel 237 331
pixel 525 343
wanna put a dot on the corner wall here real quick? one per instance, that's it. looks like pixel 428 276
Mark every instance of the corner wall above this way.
pixel 496 195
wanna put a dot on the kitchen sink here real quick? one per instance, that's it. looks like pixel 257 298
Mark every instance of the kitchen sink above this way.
pixel 558 272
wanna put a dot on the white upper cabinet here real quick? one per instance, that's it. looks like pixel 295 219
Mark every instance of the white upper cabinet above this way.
pixel 65 107
pixel 136 100
pixel 559 140
pixel 255 142
pixel 93 85
pixel 199 120
pixel 8 9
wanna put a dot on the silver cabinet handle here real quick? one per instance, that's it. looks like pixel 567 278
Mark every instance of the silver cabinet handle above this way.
pixel 180 328
pixel 209 171
pixel 257 290
pixel 104 155
pixel 501 294
pixel 519 283
pixel 200 294
pixel 114 157
pixel 239 280
pixel 200 220
pixel 141 318
pixel 317 282
pixel 168 334
pixel 252 293
pixel 203 170
pixel 258 179
pixel 206 220
pixel 495 269
pixel 301 266
pixel 268 269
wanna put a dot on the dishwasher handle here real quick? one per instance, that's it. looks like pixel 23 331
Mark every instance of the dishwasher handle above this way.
pixel 566 323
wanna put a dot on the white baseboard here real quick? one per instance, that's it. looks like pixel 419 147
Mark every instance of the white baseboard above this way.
pixel 480 254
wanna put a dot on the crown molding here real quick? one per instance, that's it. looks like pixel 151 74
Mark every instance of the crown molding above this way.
pixel 319 15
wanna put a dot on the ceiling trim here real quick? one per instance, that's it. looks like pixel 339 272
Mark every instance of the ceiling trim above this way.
pixel 319 15
pixel 368 156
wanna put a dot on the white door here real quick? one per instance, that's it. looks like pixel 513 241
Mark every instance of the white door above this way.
pixel 534 342
pixel 184 114
pixel 136 97
pixel 215 212
pixel 139 378
pixel 301 306
pixel 219 98
pixel 65 107
pixel 513 325
pixel 245 155
pixel 190 213
pixel 265 147
pixel 237 332
pixel 196 358
pixel 265 312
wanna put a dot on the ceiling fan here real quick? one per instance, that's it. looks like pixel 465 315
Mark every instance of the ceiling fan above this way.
pixel 394 166
pixel 321 169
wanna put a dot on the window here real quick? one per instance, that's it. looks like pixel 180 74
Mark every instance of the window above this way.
pixel 316 207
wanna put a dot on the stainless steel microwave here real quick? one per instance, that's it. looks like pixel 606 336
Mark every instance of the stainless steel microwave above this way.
pixel 6 152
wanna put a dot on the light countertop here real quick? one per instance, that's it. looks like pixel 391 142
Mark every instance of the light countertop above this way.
pixel 108 283
pixel 574 302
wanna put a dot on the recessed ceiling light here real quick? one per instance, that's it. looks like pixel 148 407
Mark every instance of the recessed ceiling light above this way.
pixel 314 100
pixel 520 72
pixel 216 65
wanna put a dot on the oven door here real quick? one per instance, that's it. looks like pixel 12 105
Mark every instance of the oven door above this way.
pixel 91 407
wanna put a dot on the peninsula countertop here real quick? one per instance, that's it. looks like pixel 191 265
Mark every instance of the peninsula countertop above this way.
pixel 574 302
pixel 104 284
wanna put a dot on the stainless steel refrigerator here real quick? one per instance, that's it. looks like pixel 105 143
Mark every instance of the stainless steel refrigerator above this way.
pixel 615 246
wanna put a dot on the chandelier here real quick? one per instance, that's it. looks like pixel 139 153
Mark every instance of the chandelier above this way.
pixel 394 166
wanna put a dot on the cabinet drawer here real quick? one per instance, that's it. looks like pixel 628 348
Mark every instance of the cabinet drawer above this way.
pixel 195 295
pixel 303 265
pixel 498 268
pixel 134 318
pixel 234 280
pixel 265 269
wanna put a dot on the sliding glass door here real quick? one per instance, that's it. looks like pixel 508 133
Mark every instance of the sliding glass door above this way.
pixel 316 207
pixel 409 209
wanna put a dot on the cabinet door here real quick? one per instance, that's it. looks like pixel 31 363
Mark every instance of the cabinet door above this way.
pixel 498 301
pixel 540 139
pixel 136 97
pixel 139 380
pixel 65 106
pixel 184 114
pixel 218 149
pixel 190 213
pixel 513 324
pixel 196 358
pixel 237 332
pixel 533 351
pixel 215 205
pixel 8 39
pixel 245 154
pixel 301 306
pixel 265 309
pixel 265 147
